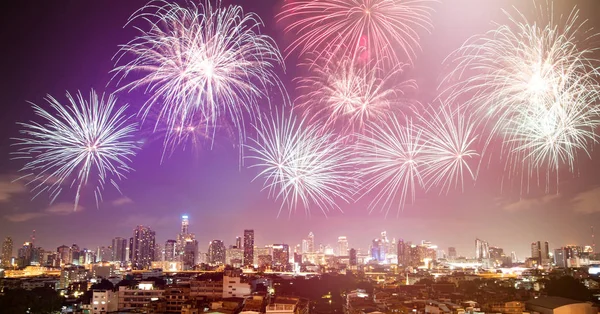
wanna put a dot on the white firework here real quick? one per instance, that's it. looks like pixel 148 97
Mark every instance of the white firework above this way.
pixel 302 164
pixel 87 142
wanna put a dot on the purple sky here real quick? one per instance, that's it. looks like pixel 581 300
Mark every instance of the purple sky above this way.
pixel 52 47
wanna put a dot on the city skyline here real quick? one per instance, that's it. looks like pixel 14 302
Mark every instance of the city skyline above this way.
pixel 156 195
pixel 475 251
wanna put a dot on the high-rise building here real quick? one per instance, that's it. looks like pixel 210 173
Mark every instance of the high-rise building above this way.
pixel 402 253
pixel 7 251
pixel 452 253
pixel 248 247
pixel 170 254
pixel 560 258
pixel 75 252
pixel 482 249
pixel 378 250
pixel 25 254
pixel 353 257
pixel 104 254
pixel 234 256
pixel 540 252
pixel 183 237
pixel 64 254
pixel 216 252
pixel 496 253
pixel 238 242
pixel 143 246
pixel 308 244
pixel 281 255
pixel 342 246
pixel 189 255
pixel 119 246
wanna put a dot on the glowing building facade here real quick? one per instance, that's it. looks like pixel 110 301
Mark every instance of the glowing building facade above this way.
pixel 248 248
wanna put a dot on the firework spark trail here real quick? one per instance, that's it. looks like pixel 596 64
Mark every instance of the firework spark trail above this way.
pixel 449 139
pixel 375 27
pixel 300 163
pixel 342 92
pixel 201 59
pixel 86 141
pixel 391 162
pixel 536 88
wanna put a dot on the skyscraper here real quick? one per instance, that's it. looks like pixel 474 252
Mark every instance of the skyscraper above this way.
pixel 281 255
pixel 378 250
pixel 248 247
pixel 353 257
pixel 482 249
pixel 142 252
pixel 189 254
pixel 170 254
pixel 64 254
pixel 402 253
pixel 238 242
pixel 7 251
pixel 342 246
pixel 119 246
pixel 183 237
pixel 536 253
pixel 452 253
pixel 216 252
pixel 25 254
pixel 308 244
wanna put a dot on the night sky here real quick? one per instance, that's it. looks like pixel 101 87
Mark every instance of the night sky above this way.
pixel 66 45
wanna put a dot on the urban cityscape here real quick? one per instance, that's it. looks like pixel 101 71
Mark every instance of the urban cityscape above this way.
pixel 139 274
pixel 300 157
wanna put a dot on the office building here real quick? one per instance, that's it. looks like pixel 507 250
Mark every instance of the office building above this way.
pixel 104 254
pixel 7 251
pixel 119 246
pixel 482 250
pixel 342 246
pixel 452 253
pixel 64 254
pixel 378 250
pixel 234 256
pixel 183 237
pixel 281 255
pixel 170 254
pixel 353 257
pixel 540 252
pixel 308 244
pixel 248 247
pixel 190 252
pixel 238 242
pixel 216 252
pixel 143 246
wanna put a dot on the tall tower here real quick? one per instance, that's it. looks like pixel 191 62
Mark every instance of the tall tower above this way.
pixel 170 250
pixel 248 247
pixel 342 246
pixel 216 252
pixel 593 240
pixel 7 251
pixel 311 243
pixel 238 242
pixel 185 223
pixel 142 253
pixel 119 246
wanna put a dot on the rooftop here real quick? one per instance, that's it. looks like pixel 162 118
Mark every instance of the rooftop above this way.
pixel 552 302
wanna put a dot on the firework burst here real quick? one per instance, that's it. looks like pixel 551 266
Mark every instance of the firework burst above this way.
pixel 349 94
pixel 535 88
pixel 201 60
pixel 87 142
pixel 302 164
pixel 391 162
pixel 372 29
pixel 449 139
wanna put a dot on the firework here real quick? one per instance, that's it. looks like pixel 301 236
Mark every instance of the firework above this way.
pixel 191 134
pixel 449 139
pixel 370 28
pixel 349 94
pixel 87 142
pixel 302 164
pixel 391 162
pixel 535 88
pixel 201 60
